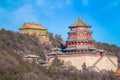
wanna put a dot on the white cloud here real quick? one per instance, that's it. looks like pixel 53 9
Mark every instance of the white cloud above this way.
pixel 24 14
pixel 40 2
pixel 48 7
pixel 2 11
pixel 115 3
pixel 68 1
pixel 111 6
pixel 85 2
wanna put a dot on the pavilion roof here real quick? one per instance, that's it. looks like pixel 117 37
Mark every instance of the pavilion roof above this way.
pixel 80 39
pixel 81 47
pixel 31 56
pixel 79 23
pixel 77 47
pixel 86 31
pixel 32 26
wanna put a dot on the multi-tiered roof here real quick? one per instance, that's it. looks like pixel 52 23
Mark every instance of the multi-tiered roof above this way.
pixel 79 23
pixel 80 38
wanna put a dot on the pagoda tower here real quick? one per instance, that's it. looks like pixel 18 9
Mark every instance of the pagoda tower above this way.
pixel 80 38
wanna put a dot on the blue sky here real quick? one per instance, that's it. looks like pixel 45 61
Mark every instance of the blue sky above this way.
pixel 58 15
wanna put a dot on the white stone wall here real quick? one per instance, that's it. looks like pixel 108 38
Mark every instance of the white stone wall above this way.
pixel 93 61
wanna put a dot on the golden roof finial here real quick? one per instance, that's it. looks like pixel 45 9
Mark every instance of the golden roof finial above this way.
pixel 79 18
pixel 79 22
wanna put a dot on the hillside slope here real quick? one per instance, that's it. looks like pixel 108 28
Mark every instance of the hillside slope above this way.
pixel 12 67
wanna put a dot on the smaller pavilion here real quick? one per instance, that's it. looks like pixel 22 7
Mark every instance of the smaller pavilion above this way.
pixel 36 30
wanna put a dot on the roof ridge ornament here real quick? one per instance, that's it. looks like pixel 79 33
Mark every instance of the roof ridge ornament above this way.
pixel 79 18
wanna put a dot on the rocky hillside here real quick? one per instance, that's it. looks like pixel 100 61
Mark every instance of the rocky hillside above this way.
pixel 12 67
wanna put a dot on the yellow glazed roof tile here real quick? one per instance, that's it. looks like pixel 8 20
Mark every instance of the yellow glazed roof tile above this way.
pixel 32 25
pixel 79 23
